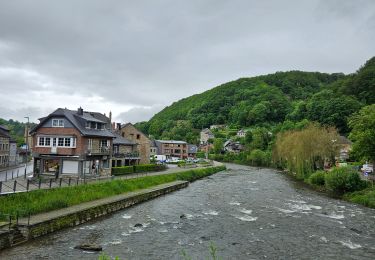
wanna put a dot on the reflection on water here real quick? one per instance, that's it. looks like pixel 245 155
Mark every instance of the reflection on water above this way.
pixel 247 213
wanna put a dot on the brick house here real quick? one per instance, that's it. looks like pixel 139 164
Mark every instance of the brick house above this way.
pixel 125 151
pixel 172 148
pixel 205 135
pixel 72 142
pixel 4 146
pixel 142 142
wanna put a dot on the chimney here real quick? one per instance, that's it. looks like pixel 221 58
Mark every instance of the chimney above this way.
pixel 80 111
pixel 113 125
pixel 118 126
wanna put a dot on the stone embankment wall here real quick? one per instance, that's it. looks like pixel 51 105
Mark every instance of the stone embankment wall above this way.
pixel 82 214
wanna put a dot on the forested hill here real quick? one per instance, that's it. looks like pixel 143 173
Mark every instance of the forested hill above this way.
pixel 267 101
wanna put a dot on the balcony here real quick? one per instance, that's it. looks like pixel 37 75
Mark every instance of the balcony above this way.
pixel 103 150
pixel 131 155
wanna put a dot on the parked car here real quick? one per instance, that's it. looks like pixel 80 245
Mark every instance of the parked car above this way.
pixel 368 168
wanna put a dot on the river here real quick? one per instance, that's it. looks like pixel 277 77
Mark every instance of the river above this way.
pixel 244 212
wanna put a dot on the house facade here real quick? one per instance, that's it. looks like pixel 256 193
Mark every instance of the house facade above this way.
pixel 205 135
pixel 142 142
pixel 192 151
pixel 4 146
pixel 77 143
pixel 241 133
pixel 125 152
pixel 172 148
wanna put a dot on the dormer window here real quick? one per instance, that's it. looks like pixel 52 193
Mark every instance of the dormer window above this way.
pixel 57 122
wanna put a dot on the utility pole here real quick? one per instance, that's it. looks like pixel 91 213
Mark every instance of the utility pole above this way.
pixel 27 143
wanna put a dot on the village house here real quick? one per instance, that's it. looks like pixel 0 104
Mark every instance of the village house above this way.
pixel 77 143
pixel 153 148
pixel 142 142
pixel 172 148
pixel 233 147
pixel 205 135
pixel 124 151
pixel 214 127
pixel 241 133
pixel 5 140
pixel 192 150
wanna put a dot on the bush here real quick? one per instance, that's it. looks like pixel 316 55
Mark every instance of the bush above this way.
pixel 122 170
pixel 317 178
pixel 148 167
pixel 342 180
pixel 259 158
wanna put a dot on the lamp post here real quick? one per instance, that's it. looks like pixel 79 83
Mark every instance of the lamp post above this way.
pixel 27 143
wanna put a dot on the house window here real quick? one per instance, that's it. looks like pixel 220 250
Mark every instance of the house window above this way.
pixel 57 122
pixel 67 142
pixel 48 141
pixel 138 136
pixel 54 142
pixel 41 141
pixel 89 143
pixel 123 134
pixel 103 143
pixel 73 142
pixel 60 142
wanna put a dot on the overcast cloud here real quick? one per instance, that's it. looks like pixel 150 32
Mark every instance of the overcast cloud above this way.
pixel 135 57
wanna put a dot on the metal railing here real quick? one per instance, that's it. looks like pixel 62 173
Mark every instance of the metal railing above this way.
pixel 126 155
pixel 106 150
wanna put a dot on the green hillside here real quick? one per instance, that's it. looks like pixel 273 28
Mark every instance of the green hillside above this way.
pixel 267 101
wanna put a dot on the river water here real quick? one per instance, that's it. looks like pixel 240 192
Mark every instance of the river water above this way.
pixel 244 212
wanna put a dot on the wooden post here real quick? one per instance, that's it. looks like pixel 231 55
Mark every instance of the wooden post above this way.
pixel 27 184
pixel 14 186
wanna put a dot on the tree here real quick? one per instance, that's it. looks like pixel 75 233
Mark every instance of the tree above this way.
pixel 329 108
pixel 363 132
pixel 300 151
pixel 218 145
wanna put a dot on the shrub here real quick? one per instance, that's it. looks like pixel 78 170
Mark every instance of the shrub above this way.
pixel 122 170
pixel 343 179
pixel 148 167
pixel 317 178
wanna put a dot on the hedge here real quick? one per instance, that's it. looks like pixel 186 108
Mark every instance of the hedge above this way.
pixel 137 168
pixel 122 170
pixel 149 167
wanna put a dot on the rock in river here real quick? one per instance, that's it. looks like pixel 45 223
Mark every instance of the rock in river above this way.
pixel 89 247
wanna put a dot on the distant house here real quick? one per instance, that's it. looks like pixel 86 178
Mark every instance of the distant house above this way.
pixel 172 148
pixel 13 156
pixel 73 142
pixel 5 140
pixel 234 147
pixel 131 133
pixel 345 148
pixel 153 148
pixel 213 127
pixel 192 150
pixel 205 135
pixel 241 133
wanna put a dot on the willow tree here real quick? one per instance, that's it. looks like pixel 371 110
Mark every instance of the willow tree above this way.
pixel 302 151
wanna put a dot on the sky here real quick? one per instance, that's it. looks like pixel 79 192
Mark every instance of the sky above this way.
pixel 136 57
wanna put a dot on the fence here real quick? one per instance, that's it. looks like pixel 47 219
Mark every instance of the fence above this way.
pixel 10 174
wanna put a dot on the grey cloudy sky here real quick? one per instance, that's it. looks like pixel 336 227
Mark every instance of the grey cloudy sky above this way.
pixel 135 57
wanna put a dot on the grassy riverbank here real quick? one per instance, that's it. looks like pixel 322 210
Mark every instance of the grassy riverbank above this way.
pixel 39 201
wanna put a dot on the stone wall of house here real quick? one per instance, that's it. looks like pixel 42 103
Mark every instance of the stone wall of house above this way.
pixel 143 142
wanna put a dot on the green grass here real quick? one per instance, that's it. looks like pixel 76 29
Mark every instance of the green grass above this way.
pixel 39 201
pixel 364 197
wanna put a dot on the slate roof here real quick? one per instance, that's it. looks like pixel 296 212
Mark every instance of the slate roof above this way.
pixel 122 140
pixel 171 142
pixel 4 131
pixel 79 122
pixel 192 148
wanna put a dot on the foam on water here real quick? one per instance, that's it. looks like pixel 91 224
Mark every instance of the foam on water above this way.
pixel 246 218
pixel 126 216
pixel 324 239
pixel 116 242
pixel 211 212
pixel 246 211
pixel 287 211
pixel 136 230
pixel 350 244
pixel 234 203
